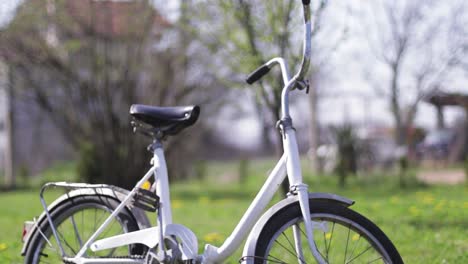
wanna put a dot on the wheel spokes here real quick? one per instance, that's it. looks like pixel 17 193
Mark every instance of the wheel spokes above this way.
pixel 339 244
pixel 360 254
pixel 75 229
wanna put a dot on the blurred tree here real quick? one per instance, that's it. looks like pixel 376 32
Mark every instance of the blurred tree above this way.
pixel 85 62
pixel 458 32
pixel 348 152
pixel 8 155
pixel 414 42
pixel 251 32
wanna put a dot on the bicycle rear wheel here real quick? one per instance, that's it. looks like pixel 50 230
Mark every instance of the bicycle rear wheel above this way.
pixel 340 234
pixel 75 220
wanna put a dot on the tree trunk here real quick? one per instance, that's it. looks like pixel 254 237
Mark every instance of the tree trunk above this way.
pixel 395 106
pixel 279 149
pixel 10 180
pixel 267 146
pixel 409 131
pixel 314 130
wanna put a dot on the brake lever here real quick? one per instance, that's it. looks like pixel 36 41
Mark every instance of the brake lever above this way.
pixel 301 85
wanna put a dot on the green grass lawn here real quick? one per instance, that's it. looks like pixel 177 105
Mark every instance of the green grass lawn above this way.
pixel 426 224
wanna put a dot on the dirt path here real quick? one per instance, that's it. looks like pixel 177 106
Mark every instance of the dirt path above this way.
pixel 448 176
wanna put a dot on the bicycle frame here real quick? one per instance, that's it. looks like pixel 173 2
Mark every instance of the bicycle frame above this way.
pixel 152 236
pixel 289 165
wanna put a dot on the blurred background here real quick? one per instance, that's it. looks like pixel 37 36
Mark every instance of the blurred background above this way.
pixel 385 117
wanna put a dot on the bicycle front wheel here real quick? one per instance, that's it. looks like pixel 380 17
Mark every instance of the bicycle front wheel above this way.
pixel 340 234
pixel 75 220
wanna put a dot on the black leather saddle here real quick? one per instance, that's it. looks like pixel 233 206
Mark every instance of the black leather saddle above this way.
pixel 166 120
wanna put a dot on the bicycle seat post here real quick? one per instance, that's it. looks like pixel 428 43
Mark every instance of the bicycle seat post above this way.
pixel 157 143
pixel 161 180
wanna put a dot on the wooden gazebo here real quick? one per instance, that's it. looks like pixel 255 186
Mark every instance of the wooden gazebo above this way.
pixel 443 99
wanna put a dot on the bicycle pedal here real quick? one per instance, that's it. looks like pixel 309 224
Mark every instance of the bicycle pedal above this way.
pixel 146 200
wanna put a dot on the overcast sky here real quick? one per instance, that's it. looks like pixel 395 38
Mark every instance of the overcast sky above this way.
pixel 333 109
pixel 6 10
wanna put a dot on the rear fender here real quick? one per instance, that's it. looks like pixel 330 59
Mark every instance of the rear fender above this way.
pixel 113 192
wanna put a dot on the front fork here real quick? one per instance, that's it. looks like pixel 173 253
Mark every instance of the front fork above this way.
pixel 293 166
pixel 303 194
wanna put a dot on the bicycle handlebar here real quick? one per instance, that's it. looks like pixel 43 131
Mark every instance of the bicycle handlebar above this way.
pixel 307 42
pixel 299 77
pixel 257 74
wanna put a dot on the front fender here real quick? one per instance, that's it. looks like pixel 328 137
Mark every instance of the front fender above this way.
pixel 110 191
pixel 249 248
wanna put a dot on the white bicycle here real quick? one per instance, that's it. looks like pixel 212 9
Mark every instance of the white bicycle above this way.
pixel 96 223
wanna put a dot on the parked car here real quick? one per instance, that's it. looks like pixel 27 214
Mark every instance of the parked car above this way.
pixel 436 144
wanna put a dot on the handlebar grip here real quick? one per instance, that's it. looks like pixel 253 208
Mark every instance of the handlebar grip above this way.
pixel 305 2
pixel 257 74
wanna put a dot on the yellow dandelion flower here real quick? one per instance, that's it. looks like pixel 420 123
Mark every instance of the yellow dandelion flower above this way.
pixel 355 237
pixel 146 185
pixel 428 199
pixel 414 211
pixel 439 206
pixel 453 204
pixel 213 237
pixel 204 200
pixel 3 246
pixel 224 201
pixel 420 193
pixel 394 199
pixel 177 204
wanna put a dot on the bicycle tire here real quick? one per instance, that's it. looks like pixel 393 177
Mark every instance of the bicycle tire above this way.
pixel 67 218
pixel 276 228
